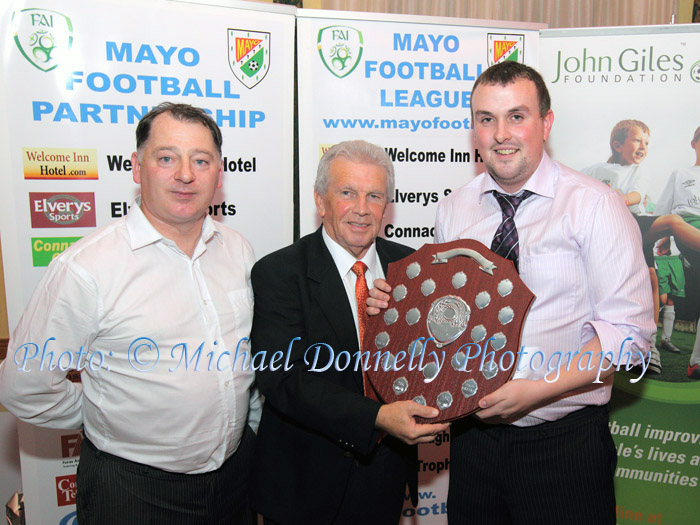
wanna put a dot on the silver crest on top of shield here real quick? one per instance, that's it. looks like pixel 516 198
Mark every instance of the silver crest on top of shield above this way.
pixel 447 319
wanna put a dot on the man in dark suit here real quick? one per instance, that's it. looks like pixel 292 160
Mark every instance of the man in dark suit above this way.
pixel 320 457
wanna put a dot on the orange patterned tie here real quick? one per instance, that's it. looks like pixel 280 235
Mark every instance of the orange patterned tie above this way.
pixel 361 295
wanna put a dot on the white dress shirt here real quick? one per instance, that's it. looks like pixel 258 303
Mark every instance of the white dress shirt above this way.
pixel 580 254
pixel 344 261
pixel 119 293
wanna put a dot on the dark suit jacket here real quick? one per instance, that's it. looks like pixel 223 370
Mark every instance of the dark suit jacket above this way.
pixel 317 429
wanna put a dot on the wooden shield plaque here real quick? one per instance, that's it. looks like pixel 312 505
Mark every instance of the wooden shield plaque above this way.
pixel 451 332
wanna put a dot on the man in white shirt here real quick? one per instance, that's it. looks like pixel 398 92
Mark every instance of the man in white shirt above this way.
pixel 152 309
pixel 540 449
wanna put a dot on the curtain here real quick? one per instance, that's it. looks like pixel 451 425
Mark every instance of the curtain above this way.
pixel 556 13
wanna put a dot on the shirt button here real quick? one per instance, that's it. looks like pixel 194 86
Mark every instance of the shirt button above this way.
pixel 347 454
pixel 227 384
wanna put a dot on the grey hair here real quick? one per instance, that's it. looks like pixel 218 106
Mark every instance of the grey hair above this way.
pixel 355 151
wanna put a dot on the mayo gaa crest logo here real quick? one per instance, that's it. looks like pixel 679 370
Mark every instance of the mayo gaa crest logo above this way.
pixel 505 47
pixel 43 36
pixel 340 48
pixel 249 55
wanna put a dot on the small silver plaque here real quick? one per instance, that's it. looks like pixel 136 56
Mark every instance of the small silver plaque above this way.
pixel 400 386
pixel 413 316
pixel 430 371
pixel 427 287
pixel 505 287
pixel 459 279
pixel 482 300
pixel 444 400
pixel 447 319
pixel 498 341
pixel 420 400
pixel 381 340
pixel 391 315
pixel 469 388
pixel 458 361
pixel 400 292
pixel 490 369
pixel 415 348
pixel 478 333
pixel 506 314
pixel 388 362
pixel 413 270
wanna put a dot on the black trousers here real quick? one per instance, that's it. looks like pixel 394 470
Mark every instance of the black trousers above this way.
pixel 112 490
pixel 553 473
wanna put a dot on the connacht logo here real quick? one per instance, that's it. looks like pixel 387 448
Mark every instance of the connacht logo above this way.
pixel 43 36
pixel 505 47
pixel 340 48
pixel 249 55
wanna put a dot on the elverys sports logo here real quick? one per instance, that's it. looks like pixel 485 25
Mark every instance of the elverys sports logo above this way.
pixel 249 55
pixel 62 210
pixel 340 48
pixel 43 36
pixel 505 47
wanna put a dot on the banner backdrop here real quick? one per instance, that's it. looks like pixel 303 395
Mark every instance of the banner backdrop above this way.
pixel 76 78
pixel 598 78
pixel 404 83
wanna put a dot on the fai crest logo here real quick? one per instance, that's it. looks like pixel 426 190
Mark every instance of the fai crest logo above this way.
pixel 44 37
pixel 695 72
pixel 340 48
pixel 249 55
pixel 503 47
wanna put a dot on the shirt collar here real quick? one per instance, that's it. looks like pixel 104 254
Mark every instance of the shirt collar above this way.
pixel 344 260
pixel 142 232
pixel 541 182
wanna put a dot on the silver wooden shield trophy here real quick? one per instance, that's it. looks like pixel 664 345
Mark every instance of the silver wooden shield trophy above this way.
pixel 451 332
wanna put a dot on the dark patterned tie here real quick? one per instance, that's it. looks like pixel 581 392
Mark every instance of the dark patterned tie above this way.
pixel 505 241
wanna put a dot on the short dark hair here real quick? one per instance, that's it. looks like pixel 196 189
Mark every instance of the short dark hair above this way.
pixel 508 72
pixel 183 112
